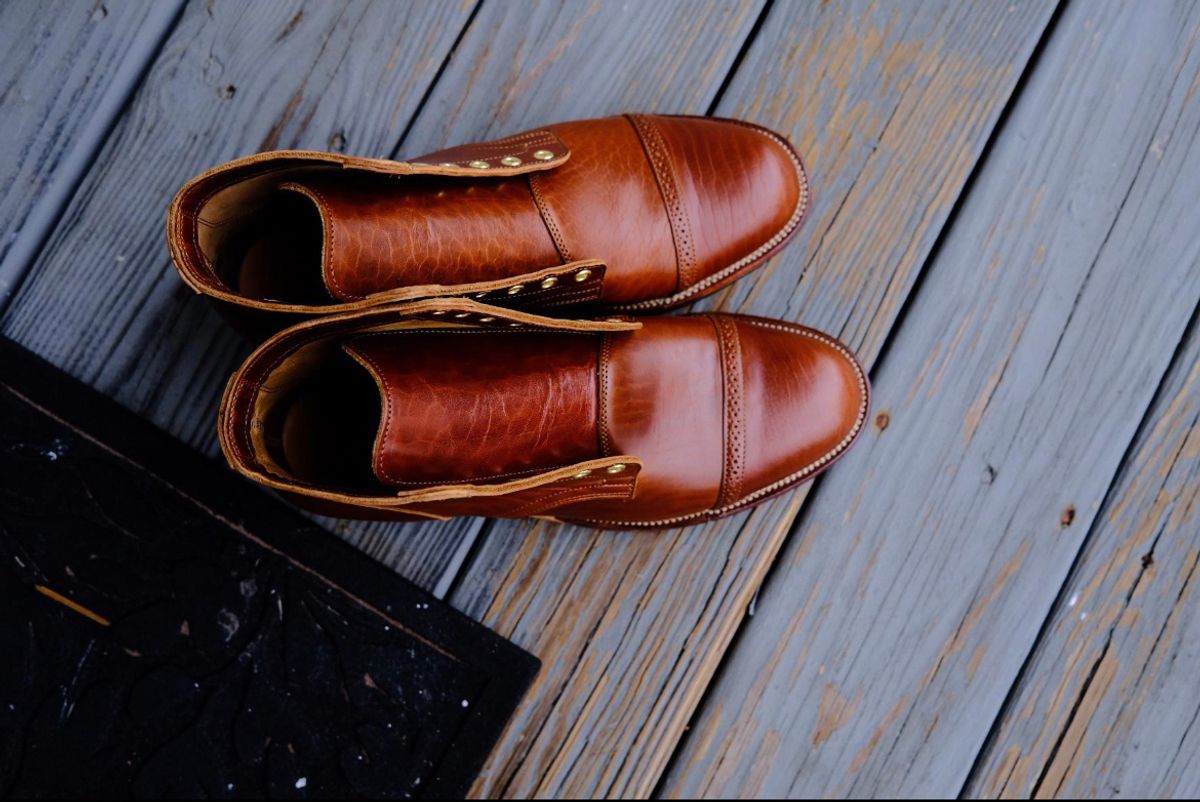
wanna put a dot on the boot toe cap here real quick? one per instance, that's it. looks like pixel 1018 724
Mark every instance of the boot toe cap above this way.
pixel 742 189
pixel 810 398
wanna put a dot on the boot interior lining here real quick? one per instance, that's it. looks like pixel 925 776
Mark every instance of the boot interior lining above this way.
pixel 263 242
pixel 320 413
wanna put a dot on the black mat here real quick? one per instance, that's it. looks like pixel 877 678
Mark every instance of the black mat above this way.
pixel 168 629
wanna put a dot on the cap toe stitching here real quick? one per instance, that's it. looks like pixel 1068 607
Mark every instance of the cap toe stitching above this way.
pixel 798 214
pixel 826 458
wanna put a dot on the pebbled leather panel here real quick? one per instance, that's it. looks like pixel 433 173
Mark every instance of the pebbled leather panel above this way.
pixel 478 405
pixel 381 233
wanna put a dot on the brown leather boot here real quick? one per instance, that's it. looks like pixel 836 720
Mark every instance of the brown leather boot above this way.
pixel 448 407
pixel 638 213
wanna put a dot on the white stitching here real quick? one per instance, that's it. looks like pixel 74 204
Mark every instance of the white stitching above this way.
pixel 797 215
pixel 798 475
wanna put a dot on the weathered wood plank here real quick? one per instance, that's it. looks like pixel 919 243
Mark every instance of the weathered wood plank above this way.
pixel 66 69
pixel 103 301
pixel 1111 694
pixel 891 107
pixel 162 351
pixel 899 616
pixel 522 64
pixel 527 63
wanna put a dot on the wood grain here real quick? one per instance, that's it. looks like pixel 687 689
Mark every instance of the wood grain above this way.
pixel 66 69
pixel 522 64
pixel 886 641
pixel 1110 698
pixel 891 107
pixel 102 300
pixel 162 351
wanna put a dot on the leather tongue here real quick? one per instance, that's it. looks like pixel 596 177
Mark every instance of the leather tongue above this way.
pixel 383 233
pixel 475 405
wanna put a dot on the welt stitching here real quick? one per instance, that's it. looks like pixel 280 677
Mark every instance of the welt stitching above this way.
pixel 797 215
pixel 668 185
pixel 798 475
pixel 602 410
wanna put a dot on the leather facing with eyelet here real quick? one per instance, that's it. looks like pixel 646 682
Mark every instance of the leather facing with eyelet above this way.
pixel 673 206
pixel 663 422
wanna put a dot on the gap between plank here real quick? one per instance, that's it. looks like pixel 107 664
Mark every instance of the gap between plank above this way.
pixel 468 551
pixel 993 136
pixel 740 57
pixel 46 213
pixel 1060 599
pixel 437 77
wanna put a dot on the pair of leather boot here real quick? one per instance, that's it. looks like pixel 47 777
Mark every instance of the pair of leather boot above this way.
pixel 466 333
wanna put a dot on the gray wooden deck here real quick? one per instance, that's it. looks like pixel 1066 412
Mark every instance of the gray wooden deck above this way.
pixel 990 596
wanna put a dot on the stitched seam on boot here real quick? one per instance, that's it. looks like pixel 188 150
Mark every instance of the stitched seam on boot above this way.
pixel 734 410
pixel 549 218
pixel 668 185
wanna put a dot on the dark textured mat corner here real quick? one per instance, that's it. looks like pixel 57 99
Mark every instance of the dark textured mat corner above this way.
pixel 166 629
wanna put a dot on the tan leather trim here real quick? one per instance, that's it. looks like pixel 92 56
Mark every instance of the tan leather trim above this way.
pixel 183 215
pixel 241 392
pixel 328 237
pixel 385 403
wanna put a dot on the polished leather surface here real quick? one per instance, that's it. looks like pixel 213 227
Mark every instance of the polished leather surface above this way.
pixel 672 422
pixel 475 405
pixel 676 207
pixel 381 233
